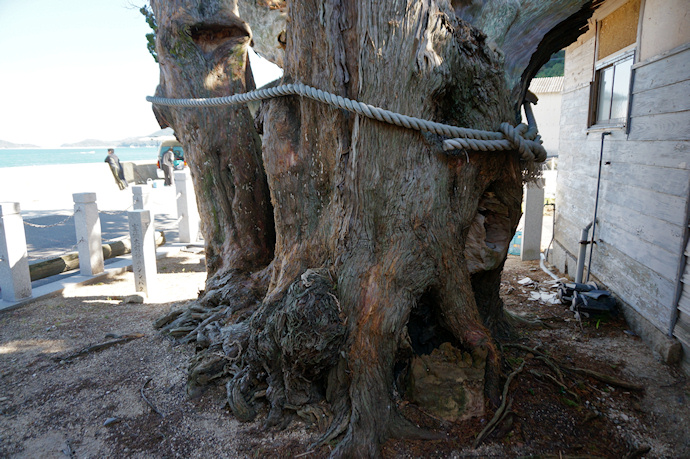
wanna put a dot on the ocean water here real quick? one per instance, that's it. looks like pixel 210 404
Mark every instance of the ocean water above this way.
pixel 10 157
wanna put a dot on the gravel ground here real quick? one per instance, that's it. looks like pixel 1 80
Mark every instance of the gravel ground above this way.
pixel 129 399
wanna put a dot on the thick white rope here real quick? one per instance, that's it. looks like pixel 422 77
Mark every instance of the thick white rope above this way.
pixel 522 138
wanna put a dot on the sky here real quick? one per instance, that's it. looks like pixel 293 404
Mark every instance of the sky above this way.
pixel 75 69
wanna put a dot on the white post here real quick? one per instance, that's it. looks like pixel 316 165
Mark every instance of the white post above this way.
pixel 15 279
pixel 87 224
pixel 140 197
pixel 187 212
pixel 141 231
pixel 534 215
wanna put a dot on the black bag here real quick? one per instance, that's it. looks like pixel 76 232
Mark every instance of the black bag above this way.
pixel 586 297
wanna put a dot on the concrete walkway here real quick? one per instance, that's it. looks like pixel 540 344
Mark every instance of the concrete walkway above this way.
pixel 55 285
pixel 45 197
pixel 46 243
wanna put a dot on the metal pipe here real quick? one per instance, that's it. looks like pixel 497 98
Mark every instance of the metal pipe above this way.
pixel 584 236
pixel 596 203
pixel 543 267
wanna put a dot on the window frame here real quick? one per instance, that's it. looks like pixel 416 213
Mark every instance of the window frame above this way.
pixel 627 53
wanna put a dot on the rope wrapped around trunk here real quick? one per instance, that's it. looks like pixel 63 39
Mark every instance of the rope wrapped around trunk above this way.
pixel 522 138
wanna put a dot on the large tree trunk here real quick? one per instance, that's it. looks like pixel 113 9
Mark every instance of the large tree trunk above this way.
pixel 375 236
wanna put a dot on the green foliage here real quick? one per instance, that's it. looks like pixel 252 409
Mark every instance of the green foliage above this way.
pixel 150 37
pixel 569 402
pixel 554 67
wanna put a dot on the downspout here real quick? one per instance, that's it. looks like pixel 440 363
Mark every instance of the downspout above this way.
pixel 596 202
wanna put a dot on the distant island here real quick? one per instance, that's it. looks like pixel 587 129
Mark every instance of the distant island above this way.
pixel 151 140
pixel 5 144
pixel 89 143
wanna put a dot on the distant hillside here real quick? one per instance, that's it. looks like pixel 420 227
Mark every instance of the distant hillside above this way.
pixel 6 144
pixel 162 132
pixel 554 67
pixel 89 143
pixel 151 140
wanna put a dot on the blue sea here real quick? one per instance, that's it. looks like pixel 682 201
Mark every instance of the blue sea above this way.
pixel 10 157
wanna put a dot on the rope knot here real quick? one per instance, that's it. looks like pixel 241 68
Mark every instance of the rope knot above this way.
pixel 514 136
pixel 522 138
pixel 530 150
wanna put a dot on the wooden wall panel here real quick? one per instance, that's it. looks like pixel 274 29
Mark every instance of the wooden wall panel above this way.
pixel 666 99
pixel 660 180
pixel 668 70
pixel 662 234
pixel 663 153
pixel 642 288
pixel 636 248
pixel 664 207
pixel 665 126
pixel 578 64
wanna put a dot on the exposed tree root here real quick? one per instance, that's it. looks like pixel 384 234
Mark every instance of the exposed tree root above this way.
pixel 517 319
pixel 280 353
pixel 117 339
pixel 638 452
pixel 557 368
pixel 148 402
pixel 556 382
pixel 607 379
pixel 501 411
pixel 228 298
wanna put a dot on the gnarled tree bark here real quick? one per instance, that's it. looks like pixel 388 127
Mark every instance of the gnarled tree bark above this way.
pixel 340 247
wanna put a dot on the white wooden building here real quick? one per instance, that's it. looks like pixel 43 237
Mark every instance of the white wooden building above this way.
pixel 547 110
pixel 629 75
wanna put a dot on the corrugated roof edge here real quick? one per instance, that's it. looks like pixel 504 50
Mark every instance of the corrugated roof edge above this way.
pixel 546 85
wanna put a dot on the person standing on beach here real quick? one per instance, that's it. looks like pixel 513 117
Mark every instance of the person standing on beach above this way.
pixel 116 168
pixel 168 163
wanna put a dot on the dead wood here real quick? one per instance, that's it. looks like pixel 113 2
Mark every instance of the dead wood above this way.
pixel 638 452
pixel 594 374
pixel 148 402
pixel 606 378
pixel 556 383
pixel 117 339
pixel 501 411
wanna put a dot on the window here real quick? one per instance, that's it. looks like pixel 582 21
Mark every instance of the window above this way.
pixel 615 54
pixel 612 91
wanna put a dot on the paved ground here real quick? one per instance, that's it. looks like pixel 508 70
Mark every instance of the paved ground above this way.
pixel 43 243
pixel 45 197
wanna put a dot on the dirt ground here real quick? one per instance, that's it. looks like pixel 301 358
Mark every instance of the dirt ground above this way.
pixel 129 399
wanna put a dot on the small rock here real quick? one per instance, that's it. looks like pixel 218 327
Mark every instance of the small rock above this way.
pixel 111 421
pixel 137 298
